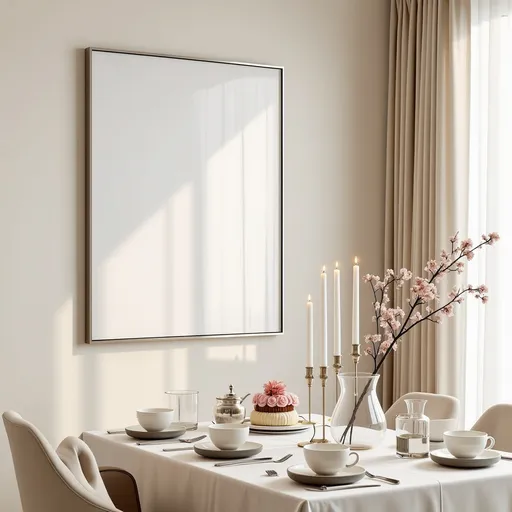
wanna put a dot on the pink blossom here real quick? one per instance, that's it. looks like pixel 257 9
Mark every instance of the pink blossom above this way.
pixel 424 290
pixel 405 274
pixel 275 387
pixel 448 310
pixel 262 400
pixel 466 245
pixel 385 298
pixel 459 300
pixel 367 278
pixel 282 400
pixel 484 299
pixel 483 289
pixel 416 317
pixel 272 400
pixel 460 267
pixel 491 238
pixel 431 266
pixel 470 255
pixel 372 338
pixel 453 293
pixel 368 351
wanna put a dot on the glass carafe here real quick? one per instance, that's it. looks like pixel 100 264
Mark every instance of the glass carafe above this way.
pixel 413 430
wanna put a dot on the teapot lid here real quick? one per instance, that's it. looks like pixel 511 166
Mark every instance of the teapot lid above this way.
pixel 230 395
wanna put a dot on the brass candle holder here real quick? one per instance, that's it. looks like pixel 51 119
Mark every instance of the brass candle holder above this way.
pixel 337 369
pixel 323 378
pixel 309 380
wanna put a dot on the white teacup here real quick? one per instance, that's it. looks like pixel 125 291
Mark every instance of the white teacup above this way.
pixel 328 458
pixel 155 419
pixel 229 436
pixel 467 444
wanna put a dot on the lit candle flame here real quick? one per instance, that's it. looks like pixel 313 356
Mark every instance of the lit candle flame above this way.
pixel 336 264
pixel 309 298
pixel 323 269
pixel 356 261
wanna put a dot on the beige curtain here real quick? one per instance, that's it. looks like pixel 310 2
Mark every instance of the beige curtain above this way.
pixel 426 173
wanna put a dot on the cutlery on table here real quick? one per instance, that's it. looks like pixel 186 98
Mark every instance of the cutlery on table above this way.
pixel 259 460
pixel 324 488
pixel 180 449
pixel 116 431
pixel 271 472
pixel 168 441
pixel 393 481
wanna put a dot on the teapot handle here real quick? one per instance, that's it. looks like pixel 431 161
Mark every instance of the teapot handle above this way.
pixel 244 397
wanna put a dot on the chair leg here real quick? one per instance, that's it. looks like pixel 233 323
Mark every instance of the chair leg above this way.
pixel 122 489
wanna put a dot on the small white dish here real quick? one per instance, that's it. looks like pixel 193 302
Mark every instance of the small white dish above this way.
pixel 304 475
pixel 444 458
pixel 155 419
pixel 138 432
pixel 439 427
pixel 286 429
pixel 210 451
pixel 228 436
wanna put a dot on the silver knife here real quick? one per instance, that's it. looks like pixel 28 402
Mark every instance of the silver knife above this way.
pixel 324 488
pixel 240 462
pixel 157 441
pixel 183 448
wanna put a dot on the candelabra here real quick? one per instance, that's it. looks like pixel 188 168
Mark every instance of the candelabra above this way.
pixel 337 369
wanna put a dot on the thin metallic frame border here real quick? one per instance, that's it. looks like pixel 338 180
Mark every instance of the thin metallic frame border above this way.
pixel 88 212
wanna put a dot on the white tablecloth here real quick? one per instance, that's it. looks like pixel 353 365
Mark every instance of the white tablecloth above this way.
pixel 185 482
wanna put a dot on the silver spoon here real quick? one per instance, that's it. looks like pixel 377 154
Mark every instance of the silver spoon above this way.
pixel 393 481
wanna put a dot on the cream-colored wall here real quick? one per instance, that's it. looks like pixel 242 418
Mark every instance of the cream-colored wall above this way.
pixel 335 57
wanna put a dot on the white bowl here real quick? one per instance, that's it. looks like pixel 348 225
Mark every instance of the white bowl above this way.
pixel 229 436
pixel 155 419
pixel 439 427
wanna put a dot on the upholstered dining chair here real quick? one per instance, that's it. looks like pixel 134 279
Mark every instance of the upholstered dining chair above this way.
pixel 497 422
pixel 66 479
pixel 438 407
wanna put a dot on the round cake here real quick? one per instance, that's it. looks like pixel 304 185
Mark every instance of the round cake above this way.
pixel 275 407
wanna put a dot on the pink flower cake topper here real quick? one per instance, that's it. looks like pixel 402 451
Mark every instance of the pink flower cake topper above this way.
pixel 274 387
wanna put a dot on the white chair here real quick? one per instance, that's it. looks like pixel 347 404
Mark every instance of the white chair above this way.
pixel 66 479
pixel 497 422
pixel 438 407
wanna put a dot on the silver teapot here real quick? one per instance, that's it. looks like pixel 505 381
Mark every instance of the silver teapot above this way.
pixel 229 408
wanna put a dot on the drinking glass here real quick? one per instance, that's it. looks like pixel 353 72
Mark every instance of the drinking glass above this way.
pixel 184 403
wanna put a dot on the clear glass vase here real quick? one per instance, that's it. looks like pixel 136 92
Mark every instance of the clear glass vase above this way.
pixel 358 419
pixel 413 430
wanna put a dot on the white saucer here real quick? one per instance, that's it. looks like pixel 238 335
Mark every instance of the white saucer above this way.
pixel 209 450
pixel 282 429
pixel 484 460
pixel 138 432
pixel 302 474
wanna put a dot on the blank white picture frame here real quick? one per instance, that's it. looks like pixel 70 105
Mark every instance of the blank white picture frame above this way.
pixel 184 197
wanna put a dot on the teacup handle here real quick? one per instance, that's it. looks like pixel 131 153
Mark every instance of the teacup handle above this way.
pixel 357 457
pixel 492 440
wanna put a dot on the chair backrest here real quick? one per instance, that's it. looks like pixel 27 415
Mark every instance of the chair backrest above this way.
pixel 439 407
pixel 45 482
pixel 497 422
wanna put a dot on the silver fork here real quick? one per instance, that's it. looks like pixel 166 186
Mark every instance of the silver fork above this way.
pixel 261 460
pixel 271 472
pixel 393 481
pixel 168 441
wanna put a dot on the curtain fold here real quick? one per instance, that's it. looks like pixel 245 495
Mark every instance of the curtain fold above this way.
pixel 488 365
pixel 427 143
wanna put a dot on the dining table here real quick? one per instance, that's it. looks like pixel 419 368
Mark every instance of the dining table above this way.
pixel 178 480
